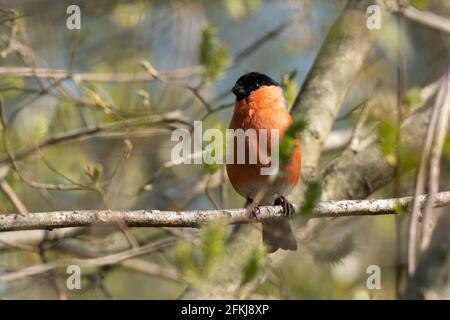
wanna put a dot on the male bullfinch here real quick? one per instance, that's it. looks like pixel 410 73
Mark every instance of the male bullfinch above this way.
pixel 260 104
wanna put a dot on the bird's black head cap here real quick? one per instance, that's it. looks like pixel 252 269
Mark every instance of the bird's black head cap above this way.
pixel 250 82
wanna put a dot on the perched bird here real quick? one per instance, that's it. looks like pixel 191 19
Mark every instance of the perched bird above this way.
pixel 260 104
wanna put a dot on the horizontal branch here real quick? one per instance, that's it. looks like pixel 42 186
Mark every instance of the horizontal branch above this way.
pixel 55 74
pixel 129 77
pixel 171 119
pixel 84 263
pixel 193 219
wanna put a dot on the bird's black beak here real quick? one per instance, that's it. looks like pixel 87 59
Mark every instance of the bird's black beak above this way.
pixel 239 91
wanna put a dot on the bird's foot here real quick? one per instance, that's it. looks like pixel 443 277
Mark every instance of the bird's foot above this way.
pixel 252 209
pixel 288 208
pixel 254 212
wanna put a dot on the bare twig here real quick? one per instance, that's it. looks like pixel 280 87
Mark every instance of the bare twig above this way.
pixel 169 119
pixel 338 139
pixel 401 93
pixel 13 197
pixel 152 269
pixel 266 37
pixel 30 239
pixel 59 290
pixel 421 174
pixel 435 159
pixel 96 77
pixel 95 262
pixel 427 18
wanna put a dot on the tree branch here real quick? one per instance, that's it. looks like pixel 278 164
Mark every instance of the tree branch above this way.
pixel 427 18
pixel 94 262
pixel 95 77
pixel 197 218
pixel 437 117
pixel 171 119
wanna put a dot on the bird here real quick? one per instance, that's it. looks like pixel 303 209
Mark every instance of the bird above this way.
pixel 260 104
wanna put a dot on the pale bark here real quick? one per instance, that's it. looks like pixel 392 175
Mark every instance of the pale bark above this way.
pixel 197 218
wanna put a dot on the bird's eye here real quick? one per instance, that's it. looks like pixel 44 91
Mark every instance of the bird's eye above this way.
pixel 257 85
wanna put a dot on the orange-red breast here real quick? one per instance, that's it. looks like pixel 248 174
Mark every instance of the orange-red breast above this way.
pixel 260 104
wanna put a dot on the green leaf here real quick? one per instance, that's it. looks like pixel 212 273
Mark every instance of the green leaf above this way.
pixel 241 8
pixel 446 150
pixel 413 98
pixel 184 258
pixel 312 196
pixel 420 4
pixel 94 172
pixel 386 133
pixel 400 209
pixel 213 242
pixel 213 53
pixel 98 172
pixel 409 157
pixel 196 262
pixel 36 129
pixel 288 142
pixel 9 84
pixel 129 15
pixel 254 265
pixel 213 167
pixel 298 125
pixel 211 147
pixel 290 87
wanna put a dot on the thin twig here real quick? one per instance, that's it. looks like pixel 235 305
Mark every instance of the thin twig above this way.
pixel 421 173
pixel 427 18
pixel 13 197
pixel 169 119
pixel 94 262
pixel 435 159
pixel 96 77
pixel 59 290
pixel 401 94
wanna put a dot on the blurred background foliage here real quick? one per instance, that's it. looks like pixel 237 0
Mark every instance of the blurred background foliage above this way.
pixel 122 170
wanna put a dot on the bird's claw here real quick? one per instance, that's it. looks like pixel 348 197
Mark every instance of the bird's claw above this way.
pixel 288 208
pixel 254 212
pixel 252 209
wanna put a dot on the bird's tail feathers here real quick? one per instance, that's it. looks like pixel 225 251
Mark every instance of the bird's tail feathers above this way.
pixel 278 235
